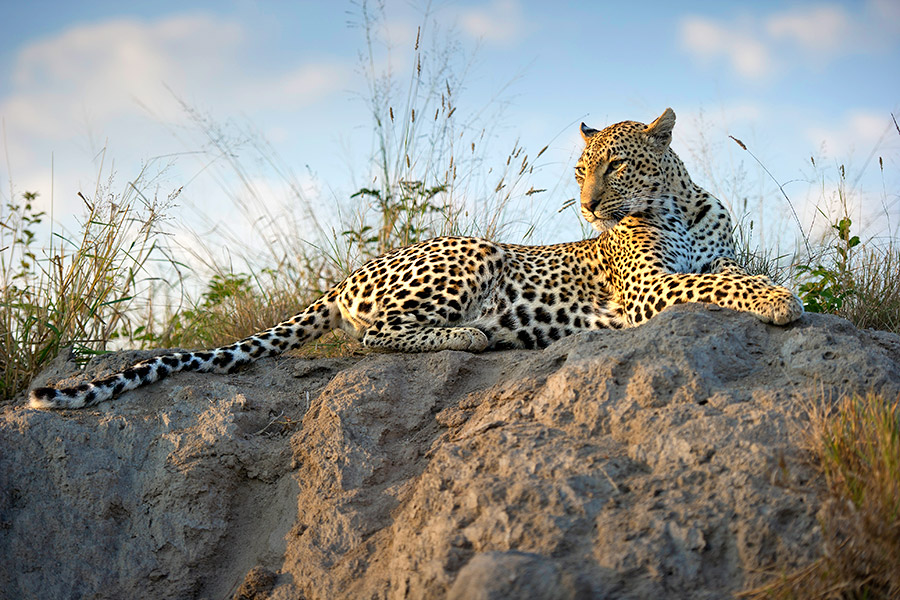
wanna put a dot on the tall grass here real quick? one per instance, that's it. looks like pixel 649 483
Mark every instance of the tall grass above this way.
pixel 83 291
pixel 852 276
pixel 874 285
pixel 430 174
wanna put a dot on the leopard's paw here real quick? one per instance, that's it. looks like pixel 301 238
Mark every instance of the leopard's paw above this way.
pixel 782 308
pixel 468 339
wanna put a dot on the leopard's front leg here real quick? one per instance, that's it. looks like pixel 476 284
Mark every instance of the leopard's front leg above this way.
pixel 756 295
pixel 405 333
pixel 725 265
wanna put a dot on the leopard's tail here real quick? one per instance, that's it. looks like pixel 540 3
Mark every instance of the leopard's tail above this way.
pixel 319 318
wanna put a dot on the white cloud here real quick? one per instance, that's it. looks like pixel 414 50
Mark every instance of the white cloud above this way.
pixel 112 66
pixel 107 66
pixel 708 40
pixel 859 133
pixel 294 89
pixel 500 22
pixel 847 175
pixel 111 84
pixel 759 46
pixel 816 28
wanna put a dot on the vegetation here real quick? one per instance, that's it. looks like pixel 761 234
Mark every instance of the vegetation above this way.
pixel 841 274
pixel 856 444
pixel 852 278
pixel 104 286
pixel 84 293
pixel 855 441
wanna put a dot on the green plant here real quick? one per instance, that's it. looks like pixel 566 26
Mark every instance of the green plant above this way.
pixel 202 324
pixel 405 215
pixel 826 287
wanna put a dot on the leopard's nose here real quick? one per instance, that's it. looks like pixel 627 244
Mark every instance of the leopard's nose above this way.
pixel 590 205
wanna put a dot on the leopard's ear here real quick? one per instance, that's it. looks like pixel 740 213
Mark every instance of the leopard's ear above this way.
pixel 659 132
pixel 587 133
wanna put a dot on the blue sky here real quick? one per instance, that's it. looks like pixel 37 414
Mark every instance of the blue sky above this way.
pixel 793 80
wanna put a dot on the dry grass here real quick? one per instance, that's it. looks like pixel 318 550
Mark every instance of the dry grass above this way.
pixel 874 301
pixel 856 443
pixel 83 291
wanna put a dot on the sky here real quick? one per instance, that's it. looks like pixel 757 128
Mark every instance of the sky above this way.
pixel 188 90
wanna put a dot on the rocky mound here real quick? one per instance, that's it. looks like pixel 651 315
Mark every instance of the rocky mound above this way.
pixel 665 460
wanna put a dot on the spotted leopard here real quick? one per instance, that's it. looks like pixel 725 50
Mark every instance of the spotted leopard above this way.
pixel 663 241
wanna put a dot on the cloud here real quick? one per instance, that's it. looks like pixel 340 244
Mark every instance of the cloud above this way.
pixel 816 29
pixel 295 88
pixel 111 84
pixel 115 66
pixel 859 132
pixel 848 176
pixel 501 22
pixel 760 46
pixel 107 66
pixel 708 40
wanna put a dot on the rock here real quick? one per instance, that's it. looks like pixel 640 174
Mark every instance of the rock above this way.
pixel 508 576
pixel 665 460
pixel 257 585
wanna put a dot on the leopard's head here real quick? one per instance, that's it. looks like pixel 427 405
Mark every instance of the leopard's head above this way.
pixel 620 171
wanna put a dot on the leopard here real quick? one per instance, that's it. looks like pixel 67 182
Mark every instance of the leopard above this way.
pixel 661 241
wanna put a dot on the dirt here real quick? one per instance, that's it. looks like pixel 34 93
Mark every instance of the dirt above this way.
pixel 667 460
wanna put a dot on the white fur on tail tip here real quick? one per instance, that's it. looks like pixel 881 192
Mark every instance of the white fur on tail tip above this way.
pixel 35 401
pixel 41 401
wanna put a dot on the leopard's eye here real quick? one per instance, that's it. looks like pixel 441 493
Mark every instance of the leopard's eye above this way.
pixel 579 172
pixel 615 165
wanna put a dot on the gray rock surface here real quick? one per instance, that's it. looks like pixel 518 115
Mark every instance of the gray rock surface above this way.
pixel 666 460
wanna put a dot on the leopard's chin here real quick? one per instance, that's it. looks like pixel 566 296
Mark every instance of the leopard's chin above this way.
pixel 597 221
